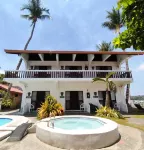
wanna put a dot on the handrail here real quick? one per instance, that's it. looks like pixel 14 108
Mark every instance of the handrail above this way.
pixel 66 74
pixel 68 70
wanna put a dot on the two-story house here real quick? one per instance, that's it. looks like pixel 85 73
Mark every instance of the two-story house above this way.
pixel 67 75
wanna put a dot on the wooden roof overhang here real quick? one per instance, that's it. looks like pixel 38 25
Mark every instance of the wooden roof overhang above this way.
pixel 53 55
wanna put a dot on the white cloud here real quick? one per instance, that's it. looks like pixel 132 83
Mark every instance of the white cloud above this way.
pixel 141 67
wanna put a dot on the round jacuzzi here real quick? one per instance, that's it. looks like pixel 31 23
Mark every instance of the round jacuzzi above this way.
pixel 77 132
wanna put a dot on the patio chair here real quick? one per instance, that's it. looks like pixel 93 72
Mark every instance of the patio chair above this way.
pixel 31 108
pixel 82 107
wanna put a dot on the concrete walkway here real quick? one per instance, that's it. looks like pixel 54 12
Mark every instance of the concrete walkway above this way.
pixel 10 112
pixel 131 139
pixel 139 121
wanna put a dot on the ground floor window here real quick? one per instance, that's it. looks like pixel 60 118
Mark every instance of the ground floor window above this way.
pixel 73 100
pixel 38 97
pixel 102 98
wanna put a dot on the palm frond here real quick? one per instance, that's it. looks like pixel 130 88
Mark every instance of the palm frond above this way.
pixel 43 17
pixel 26 7
pixel 112 86
pixel 109 25
pixel 45 10
pixel 36 11
pixel 109 75
pixel 115 20
pixel 98 79
pixel 25 16
pixel 104 46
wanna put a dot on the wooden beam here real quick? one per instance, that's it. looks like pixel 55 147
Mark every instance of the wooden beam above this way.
pixel 41 57
pixel 105 57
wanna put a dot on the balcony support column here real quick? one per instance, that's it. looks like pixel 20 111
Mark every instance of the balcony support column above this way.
pixel 90 59
pixel 121 58
pixel 74 57
pixel 57 59
pixel 26 102
pixel 41 57
pixel 25 59
pixel 105 57
pixel 120 99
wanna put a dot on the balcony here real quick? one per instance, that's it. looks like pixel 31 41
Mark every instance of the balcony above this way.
pixel 66 74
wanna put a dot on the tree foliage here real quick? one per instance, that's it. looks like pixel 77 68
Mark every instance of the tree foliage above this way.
pixel 133 16
pixel 110 85
pixel 104 46
pixel 49 106
pixel 114 20
pixel 36 11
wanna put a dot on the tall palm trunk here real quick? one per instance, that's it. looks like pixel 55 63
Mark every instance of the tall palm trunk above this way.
pixel 107 102
pixel 25 48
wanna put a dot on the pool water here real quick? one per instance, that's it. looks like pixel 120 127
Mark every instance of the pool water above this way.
pixel 77 123
pixel 4 121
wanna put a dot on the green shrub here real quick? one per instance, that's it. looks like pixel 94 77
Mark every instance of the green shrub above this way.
pixel 7 100
pixel 108 113
pixel 50 106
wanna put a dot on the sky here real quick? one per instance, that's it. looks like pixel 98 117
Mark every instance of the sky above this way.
pixel 74 25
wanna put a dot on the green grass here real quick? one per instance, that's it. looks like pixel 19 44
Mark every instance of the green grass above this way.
pixel 126 123
pixel 138 116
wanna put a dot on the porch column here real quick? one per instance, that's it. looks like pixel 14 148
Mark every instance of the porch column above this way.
pixel 25 104
pixel 120 99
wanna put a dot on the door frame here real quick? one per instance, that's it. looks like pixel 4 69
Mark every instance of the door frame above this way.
pixel 68 101
pixel 34 101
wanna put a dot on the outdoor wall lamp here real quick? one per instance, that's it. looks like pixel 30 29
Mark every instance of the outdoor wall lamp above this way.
pixel 95 95
pixel 28 95
pixel 88 94
pixel 61 94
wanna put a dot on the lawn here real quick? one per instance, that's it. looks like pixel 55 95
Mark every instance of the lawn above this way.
pixel 126 123
pixel 138 116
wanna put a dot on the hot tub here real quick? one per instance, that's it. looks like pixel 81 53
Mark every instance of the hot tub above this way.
pixel 78 132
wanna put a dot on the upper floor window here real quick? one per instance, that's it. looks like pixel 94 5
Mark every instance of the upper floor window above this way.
pixel 103 67
pixel 40 68
pixel 73 67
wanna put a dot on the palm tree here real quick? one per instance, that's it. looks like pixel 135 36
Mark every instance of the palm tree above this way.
pixel 115 23
pixel 104 46
pixel 36 12
pixel 110 85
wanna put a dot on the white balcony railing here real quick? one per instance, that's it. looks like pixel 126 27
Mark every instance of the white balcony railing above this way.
pixel 66 74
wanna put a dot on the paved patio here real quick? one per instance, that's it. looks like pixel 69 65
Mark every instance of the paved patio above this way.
pixel 132 139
